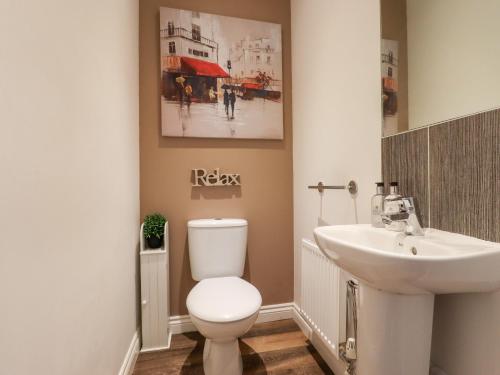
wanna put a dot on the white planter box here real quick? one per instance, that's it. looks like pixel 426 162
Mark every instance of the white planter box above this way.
pixel 154 294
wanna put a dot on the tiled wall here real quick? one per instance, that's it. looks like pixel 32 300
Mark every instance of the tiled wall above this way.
pixel 453 171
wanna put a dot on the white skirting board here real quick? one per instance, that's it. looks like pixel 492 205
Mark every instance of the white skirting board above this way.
pixel 131 356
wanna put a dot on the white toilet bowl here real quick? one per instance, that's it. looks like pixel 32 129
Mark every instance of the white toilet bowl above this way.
pixel 223 309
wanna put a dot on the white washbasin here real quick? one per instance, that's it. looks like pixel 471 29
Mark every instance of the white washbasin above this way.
pixel 444 262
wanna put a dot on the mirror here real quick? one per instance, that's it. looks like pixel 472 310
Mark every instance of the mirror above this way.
pixel 440 59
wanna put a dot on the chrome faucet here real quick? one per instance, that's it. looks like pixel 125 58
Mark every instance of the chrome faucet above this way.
pixel 407 215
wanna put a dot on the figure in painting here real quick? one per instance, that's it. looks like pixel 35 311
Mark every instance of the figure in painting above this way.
pixel 211 94
pixel 232 100
pixel 226 102
pixel 189 94
pixel 180 88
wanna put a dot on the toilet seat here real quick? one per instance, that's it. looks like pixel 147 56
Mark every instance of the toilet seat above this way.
pixel 223 299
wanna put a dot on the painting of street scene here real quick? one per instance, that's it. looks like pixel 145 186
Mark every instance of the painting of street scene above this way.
pixel 221 77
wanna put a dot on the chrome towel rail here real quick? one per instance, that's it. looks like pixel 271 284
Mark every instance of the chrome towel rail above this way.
pixel 352 187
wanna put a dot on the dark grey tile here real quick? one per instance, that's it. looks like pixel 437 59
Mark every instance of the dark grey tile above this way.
pixel 465 176
pixel 405 159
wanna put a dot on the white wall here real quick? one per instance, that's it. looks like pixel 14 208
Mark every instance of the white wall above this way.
pixel 453 59
pixel 69 185
pixel 336 111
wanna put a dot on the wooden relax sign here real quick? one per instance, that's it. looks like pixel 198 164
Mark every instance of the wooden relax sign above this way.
pixel 202 178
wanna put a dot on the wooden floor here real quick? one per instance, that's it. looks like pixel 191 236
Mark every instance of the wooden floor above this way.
pixel 268 348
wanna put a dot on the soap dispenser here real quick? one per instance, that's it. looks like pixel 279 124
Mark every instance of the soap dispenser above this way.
pixel 377 206
pixel 392 205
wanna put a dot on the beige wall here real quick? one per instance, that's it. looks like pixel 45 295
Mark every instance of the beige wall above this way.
pixel 453 59
pixel 265 198
pixel 69 185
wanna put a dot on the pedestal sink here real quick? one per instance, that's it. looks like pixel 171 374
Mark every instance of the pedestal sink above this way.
pixel 399 276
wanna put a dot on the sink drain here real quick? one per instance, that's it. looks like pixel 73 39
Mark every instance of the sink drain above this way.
pixel 414 250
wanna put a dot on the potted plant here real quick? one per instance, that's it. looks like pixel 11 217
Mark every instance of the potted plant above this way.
pixel 153 229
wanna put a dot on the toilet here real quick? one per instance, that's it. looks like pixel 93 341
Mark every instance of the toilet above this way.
pixel 222 305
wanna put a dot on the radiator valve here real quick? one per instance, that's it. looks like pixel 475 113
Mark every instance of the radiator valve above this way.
pixel 350 348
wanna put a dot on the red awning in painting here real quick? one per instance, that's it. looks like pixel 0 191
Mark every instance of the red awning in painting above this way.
pixel 202 68
pixel 255 86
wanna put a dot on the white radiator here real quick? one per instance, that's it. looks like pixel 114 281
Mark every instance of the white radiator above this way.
pixel 322 296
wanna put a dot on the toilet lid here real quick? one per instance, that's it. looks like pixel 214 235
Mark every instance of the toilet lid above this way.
pixel 223 299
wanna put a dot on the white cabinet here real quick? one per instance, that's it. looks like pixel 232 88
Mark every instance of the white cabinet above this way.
pixel 154 294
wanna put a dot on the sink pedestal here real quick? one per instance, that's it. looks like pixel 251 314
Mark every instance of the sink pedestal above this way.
pixel 394 332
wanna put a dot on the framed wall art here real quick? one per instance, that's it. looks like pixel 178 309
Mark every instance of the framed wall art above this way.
pixel 221 77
